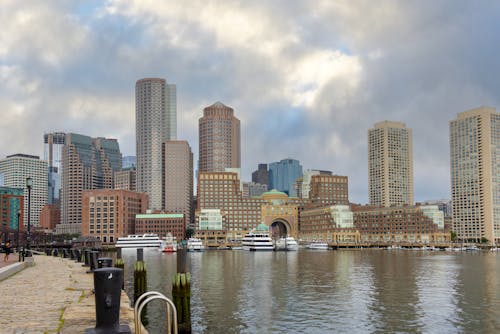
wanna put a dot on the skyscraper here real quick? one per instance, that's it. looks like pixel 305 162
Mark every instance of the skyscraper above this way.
pixel 178 178
pixel 219 139
pixel 261 175
pixel 87 163
pixel 155 122
pixel 16 168
pixel 390 164
pixel 283 174
pixel 475 174
pixel 53 145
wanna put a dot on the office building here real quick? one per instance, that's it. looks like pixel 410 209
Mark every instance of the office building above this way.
pixel 252 189
pixel 326 190
pixel 16 169
pixel 283 174
pixel 303 184
pixel 87 164
pixel 178 179
pixel 475 175
pixel 50 217
pixel 219 139
pixel 109 214
pixel 162 224
pixel 329 223
pixel 155 123
pixel 390 164
pixel 126 179
pixel 129 161
pixel 11 212
pixel 261 175
pixel 53 145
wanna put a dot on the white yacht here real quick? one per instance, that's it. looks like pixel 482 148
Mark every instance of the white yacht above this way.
pixel 286 243
pixel 139 241
pixel 258 240
pixel 195 245
pixel 318 245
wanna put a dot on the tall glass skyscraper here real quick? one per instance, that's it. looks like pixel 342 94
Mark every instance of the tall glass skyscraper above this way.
pixel 283 174
pixel 475 174
pixel 52 153
pixel 155 123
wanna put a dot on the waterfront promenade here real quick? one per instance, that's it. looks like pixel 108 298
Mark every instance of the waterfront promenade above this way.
pixel 52 296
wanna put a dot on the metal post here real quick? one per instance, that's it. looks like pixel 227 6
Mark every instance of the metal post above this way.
pixel 29 184
pixel 17 234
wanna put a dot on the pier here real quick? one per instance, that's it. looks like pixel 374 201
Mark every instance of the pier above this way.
pixel 53 295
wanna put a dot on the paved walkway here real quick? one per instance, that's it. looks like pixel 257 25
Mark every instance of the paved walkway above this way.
pixel 53 296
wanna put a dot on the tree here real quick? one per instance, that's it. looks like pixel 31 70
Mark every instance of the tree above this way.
pixel 484 240
pixel 189 232
pixel 453 235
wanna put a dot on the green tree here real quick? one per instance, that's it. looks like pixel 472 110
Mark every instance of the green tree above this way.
pixel 189 232
pixel 453 235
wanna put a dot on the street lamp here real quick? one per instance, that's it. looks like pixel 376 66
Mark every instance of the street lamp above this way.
pixel 29 184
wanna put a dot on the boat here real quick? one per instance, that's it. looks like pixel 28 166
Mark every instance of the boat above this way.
pixel 318 245
pixel 139 241
pixel 286 243
pixel 170 245
pixel 258 239
pixel 195 245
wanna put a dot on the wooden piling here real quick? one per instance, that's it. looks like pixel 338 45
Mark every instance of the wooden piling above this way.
pixel 181 293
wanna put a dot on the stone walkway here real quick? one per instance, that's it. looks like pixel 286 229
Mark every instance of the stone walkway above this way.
pixel 53 296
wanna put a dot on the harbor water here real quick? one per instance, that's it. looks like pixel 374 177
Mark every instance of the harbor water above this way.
pixel 355 291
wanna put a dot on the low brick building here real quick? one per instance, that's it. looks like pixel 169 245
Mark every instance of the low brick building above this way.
pixel 161 224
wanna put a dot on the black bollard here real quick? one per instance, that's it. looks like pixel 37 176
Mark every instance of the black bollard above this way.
pixel 104 262
pixel 87 258
pixel 140 254
pixel 55 252
pixel 78 255
pixel 107 287
pixel 65 253
pixel 93 261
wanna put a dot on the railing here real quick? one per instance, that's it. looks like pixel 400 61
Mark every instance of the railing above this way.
pixel 146 298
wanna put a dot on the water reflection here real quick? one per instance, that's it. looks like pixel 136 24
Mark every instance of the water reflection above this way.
pixel 360 291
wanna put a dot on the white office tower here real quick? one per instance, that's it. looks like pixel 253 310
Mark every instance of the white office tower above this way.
pixel 155 123
pixel 475 175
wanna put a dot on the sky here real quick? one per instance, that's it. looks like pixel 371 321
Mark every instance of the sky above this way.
pixel 307 79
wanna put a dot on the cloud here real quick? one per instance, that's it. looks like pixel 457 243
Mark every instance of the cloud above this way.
pixel 306 79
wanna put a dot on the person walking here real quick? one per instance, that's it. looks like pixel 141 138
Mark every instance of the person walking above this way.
pixel 7 248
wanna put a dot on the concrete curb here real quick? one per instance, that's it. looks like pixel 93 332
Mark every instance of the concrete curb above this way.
pixel 12 269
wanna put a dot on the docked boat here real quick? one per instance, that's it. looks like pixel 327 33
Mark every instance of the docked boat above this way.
pixel 286 243
pixel 195 245
pixel 318 245
pixel 170 245
pixel 258 240
pixel 139 241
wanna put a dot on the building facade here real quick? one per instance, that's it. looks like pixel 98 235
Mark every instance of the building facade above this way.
pixel 161 224
pixel 390 164
pixel 126 179
pixel 11 212
pixel 88 164
pixel 326 190
pixel 283 174
pixel 261 175
pixel 129 161
pixel 219 139
pixel 404 224
pixel 333 224
pixel 178 179
pixel 50 217
pixel 16 169
pixel 109 214
pixel 475 175
pixel 252 189
pixel 155 122
pixel 53 146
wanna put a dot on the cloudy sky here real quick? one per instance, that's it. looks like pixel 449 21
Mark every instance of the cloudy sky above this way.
pixel 307 79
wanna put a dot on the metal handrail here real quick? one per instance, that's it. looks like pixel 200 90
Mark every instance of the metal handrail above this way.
pixel 149 296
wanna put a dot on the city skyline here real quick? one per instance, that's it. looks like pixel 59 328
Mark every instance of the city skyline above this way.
pixel 317 75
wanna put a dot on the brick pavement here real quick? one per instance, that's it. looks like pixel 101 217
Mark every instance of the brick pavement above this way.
pixel 35 300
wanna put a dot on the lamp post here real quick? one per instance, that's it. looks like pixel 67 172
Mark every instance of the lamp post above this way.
pixel 17 234
pixel 29 184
